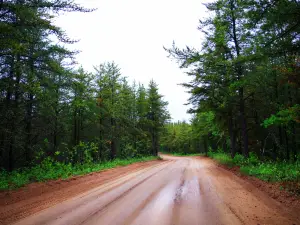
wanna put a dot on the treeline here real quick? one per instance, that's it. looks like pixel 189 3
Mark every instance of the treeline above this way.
pixel 48 108
pixel 245 79
pixel 179 137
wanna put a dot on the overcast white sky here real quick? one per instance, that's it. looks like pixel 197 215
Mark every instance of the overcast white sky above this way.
pixel 133 33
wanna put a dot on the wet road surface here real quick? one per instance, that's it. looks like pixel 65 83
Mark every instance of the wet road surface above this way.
pixel 183 191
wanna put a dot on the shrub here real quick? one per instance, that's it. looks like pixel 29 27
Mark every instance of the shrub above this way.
pixel 222 158
pixel 50 170
pixel 269 171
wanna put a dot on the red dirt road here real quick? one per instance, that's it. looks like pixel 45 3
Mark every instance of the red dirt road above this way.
pixel 183 191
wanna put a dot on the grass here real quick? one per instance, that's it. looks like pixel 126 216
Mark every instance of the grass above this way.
pixel 268 170
pixel 252 166
pixel 50 170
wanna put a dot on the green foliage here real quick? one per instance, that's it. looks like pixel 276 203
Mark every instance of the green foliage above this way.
pixel 222 158
pixel 244 86
pixel 269 171
pixel 157 115
pixel 284 117
pixel 177 138
pixel 51 170
pixel 83 117
pixel 83 153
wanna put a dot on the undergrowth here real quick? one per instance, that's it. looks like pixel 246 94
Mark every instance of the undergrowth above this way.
pixel 51 170
pixel 264 170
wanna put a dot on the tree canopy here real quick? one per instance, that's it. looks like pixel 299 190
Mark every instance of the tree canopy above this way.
pixel 50 108
pixel 245 78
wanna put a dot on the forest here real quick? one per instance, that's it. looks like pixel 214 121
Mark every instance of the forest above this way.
pixel 244 93
pixel 244 84
pixel 53 111
pixel 81 146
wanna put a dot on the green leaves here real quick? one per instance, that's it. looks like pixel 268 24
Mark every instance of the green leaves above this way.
pixel 50 170
pixel 247 74
pixel 177 137
pixel 284 117
pixel 269 171
pixel 84 116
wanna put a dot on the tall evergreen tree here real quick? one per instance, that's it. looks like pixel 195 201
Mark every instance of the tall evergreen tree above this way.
pixel 246 72
pixel 157 115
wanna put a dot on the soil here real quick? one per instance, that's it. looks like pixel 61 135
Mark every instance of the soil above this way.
pixel 177 191
pixel 20 203
pixel 287 193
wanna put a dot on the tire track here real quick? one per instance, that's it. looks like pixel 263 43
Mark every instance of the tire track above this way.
pixel 121 196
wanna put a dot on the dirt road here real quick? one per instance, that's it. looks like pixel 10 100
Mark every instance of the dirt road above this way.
pixel 178 191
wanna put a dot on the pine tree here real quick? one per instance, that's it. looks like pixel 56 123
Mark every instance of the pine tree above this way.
pixel 157 115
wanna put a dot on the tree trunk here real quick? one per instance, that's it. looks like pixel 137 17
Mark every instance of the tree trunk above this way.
pixel 10 157
pixel 232 136
pixel 100 139
pixel 205 145
pixel 113 148
pixel 294 145
pixel 28 147
pixel 243 124
pixel 15 116
pixel 75 133
pixel 243 119
pixel 287 145
pixel 55 131
pixel 8 107
pixel 224 145
pixel 153 142
pixel 292 126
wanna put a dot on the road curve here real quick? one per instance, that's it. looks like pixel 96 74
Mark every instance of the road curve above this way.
pixel 183 191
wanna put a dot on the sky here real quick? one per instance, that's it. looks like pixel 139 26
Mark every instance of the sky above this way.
pixel 133 33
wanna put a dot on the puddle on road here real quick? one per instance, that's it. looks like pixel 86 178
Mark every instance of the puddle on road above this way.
pixel 159 210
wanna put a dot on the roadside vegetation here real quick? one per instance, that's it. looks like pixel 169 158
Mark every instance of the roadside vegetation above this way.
pixel 265 170
pixel 179 140
pixel 58 120
pixel 51 170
